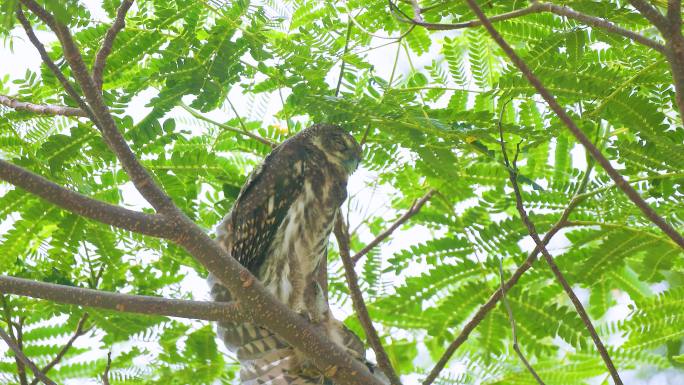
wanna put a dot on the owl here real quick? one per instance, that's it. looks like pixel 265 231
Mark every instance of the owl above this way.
pixel 279 228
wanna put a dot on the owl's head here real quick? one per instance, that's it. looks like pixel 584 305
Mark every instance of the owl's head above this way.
pixel 337 144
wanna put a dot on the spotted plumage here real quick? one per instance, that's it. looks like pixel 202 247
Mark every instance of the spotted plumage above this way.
pixel 278 228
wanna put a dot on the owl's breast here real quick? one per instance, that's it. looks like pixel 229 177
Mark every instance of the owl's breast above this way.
pixel 301 240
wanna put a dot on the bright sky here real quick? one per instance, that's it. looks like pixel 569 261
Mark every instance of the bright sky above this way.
pixel 23 56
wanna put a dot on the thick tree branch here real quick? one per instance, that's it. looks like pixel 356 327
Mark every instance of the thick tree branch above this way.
pixel 62 352
pixel 108 43
pixel 415 208
pixel 142 180
pixel 674 13
pixel 264 309
pixel 342 235
pixel 514 331
pixel 538 7
pixel 651 14
pixel 43 109
pixel 153 225
pixel 631 193
pixel 142 304
pixel 70 90
pixel 22 357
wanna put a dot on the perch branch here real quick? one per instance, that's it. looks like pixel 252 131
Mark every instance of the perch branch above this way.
pixel 153 225
pixel 43 109
pixel 415 208
pixel 142 304
pixel 631 193
pixel 108 43
pixel 342 235
pixel 22 357
pixel 62 352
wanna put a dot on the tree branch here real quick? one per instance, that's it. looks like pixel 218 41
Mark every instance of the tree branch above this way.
pixel 538 7
pixel 342 235
pixel 227 127
pixel 651 14
pixel 105 375
pixel 20 356
pixel 264 309
pixel 62 352
pixel 415 208
pixel 141 304
pixel 254 300
pixel 514 333
pixel 631 193
pixel 21 371
pixel 485 308
pixel 70 90
pixel 107 44
pixel 142 180
pixel 531 229
pixel 674 14
pixel 153 225
pixel 43 109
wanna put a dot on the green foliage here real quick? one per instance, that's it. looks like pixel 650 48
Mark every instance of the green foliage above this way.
pixel 429 106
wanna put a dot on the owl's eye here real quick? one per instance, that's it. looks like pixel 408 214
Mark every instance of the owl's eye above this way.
pixel 340 144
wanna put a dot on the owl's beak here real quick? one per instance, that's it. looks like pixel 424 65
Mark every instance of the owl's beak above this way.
pixel 351 164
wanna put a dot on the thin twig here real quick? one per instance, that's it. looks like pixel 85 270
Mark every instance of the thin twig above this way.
pixel 631 193
pixel 7 313
pixel 417 11
pixel 342 235
pixel 108 42
pixel 62 352
pixel 531 229
pixel 344 62
pixel 22 357
pixel 105 375
pixel 43 109
pixel 485 308
pixel 538 7
pixel 227 127
pixel 514 333
pixel 142 304
pixel 153 225
pixel 415 208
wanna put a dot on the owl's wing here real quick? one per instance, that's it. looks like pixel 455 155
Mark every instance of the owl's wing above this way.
pixel 263 204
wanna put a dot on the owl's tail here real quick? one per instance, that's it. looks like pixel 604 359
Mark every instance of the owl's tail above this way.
pixel 266 359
